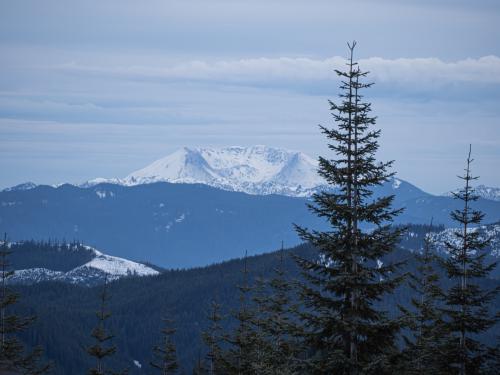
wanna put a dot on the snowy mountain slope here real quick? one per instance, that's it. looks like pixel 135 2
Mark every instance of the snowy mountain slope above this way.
pixel 20 187
pixel 413 240
pixel 35 275
pixel 255 170
pixel 92 272
pixel 486 192
pixel 485 232
pixel 116 267
pixel 440 236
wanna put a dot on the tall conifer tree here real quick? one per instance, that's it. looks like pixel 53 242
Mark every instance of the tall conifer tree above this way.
pixel 274 323
pixel 102 349
pixel 422 354
pixel 212 338
pixel 13 358
pixel 466 303
pixel 241 351
pixel 345 332
pixel 165 353
pixel 200 367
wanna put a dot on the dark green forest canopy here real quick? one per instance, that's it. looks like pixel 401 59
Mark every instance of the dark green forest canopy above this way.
pixel 138 304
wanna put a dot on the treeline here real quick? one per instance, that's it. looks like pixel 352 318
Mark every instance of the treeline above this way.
pixel 52 254
pixel 331 319
pixel 66 313
pixel 14 358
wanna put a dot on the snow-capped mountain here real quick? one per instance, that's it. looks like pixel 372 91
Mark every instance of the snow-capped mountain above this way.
pixel 95 268
pixel 492 232
pixel 22 187
pixel 256 170
pixel 485 192
pixel 413 240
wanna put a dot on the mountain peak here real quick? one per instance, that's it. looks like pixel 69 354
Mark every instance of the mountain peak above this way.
pixel 258 170
pixel 255 170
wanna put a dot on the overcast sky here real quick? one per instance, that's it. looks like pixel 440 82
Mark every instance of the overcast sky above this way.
pixel 101 88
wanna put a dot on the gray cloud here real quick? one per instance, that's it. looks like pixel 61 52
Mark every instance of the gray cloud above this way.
pixel 396 28
pixel 273 71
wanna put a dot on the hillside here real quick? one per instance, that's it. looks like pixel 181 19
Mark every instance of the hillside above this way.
pixel 139 303
pixel 73 263
pixel 168 224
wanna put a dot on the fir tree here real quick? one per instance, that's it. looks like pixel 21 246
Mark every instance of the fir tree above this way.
pixel 425 319
pixel 466 304
pixel 201 367
pixel 212 338
pixel 274 323
pixel 12 352
pixel 262 342
pixel 102 348
pixel 165 353
pixel 345 332
pixel 239 356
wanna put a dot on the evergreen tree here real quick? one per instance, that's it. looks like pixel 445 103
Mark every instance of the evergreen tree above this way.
pixel 201 367
pixel 102 348
pixel 212 338
pixel 262 343
pixel 425 319
pixel 240 354
pixel 165 354
pixel 12 352
pixel 274 323
pixel 466 304
pixel 345 332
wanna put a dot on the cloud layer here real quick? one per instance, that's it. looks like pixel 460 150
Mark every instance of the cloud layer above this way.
pixel 287 70
pixel 94 87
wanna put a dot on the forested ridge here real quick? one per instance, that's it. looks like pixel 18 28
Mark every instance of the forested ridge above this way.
pixel 138 305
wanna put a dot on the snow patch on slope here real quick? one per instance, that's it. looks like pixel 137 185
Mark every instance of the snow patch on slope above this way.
pixel 104 194
pixel 35 275
pixel 117 267
pixel 448 235
pixel 396 183
pixel 486 192
pixel 99 268
pixel 22 187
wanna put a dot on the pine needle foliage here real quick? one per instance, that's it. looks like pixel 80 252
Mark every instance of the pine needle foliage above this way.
pixel 200 368
pixel 466 303
pixel 102 348
pixel 13 358
pixel 213 338
pixel 241 355
pixel 274 323
pixel 165 354
pixel 424 317
pixel 343 329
